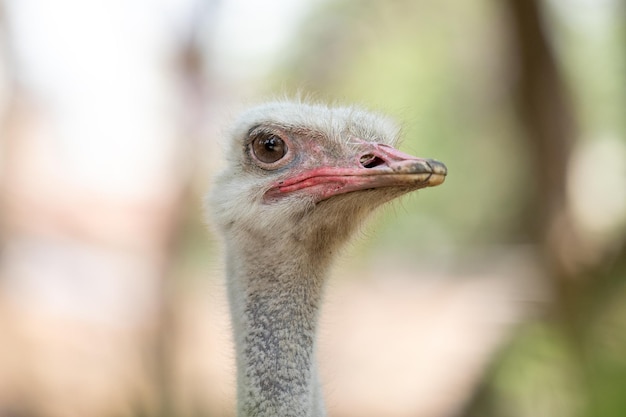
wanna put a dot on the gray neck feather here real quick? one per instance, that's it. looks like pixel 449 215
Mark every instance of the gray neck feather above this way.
pixel 275 308
pixel 276 278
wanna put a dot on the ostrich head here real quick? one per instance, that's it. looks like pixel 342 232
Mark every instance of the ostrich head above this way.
pixel 309 174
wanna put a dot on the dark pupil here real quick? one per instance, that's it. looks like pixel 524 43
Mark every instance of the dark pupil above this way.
pixel 271 144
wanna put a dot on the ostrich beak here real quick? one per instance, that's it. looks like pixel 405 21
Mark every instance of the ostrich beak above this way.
pixel 375 166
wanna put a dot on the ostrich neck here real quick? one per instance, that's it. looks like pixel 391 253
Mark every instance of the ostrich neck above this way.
pixel 274 305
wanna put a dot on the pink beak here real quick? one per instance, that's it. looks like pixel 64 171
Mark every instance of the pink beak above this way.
pixel 378 166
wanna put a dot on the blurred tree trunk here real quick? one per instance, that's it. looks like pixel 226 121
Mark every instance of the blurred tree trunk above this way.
pixel 190 61
pixel 550 131
pixel 549 122
pixel 546 116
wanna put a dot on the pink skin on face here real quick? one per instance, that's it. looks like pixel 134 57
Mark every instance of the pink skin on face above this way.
pixel 375 166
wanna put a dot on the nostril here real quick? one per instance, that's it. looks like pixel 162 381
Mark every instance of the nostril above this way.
pixel 371 161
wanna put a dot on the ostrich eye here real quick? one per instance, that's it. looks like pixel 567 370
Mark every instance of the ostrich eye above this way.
pixel 269 149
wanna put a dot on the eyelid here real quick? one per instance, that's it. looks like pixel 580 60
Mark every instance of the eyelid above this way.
pixel 262 129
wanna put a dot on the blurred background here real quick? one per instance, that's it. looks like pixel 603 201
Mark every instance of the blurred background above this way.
pixel 501 293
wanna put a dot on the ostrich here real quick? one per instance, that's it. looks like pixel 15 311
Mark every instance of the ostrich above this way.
pixel 299 179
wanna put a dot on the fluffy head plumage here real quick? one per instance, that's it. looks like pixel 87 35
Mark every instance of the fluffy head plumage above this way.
pixel 237 198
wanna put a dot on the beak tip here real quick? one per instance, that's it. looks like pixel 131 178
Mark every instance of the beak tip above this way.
pixel 438 172
pixel 437 167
